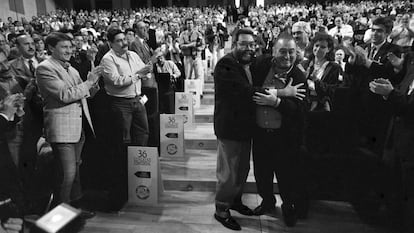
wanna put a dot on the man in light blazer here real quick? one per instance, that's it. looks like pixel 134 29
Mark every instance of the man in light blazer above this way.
pixel 65 106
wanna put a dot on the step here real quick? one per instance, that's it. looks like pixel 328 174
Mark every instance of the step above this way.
pixel 200 136
pixel 208 99
pixel 204 114
pixel 196 171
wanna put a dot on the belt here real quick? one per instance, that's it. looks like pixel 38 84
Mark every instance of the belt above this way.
pixel 126 98
pixel 268 130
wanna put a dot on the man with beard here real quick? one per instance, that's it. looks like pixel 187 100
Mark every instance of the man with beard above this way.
pixel 233 126
pixel 123 74
pixel 279 131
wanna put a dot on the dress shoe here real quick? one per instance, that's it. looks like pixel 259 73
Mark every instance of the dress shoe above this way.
pixel 228 222
pixel 264 209
pixel 85 214
pixel 242 209
pixel 289 214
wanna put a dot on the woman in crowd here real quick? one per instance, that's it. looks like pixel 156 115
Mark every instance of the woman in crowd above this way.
pixel 322 73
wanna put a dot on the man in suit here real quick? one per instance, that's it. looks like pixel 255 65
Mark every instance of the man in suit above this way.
pixel 140 46
pixel 233 126
pixel 279 131
pixel 366 65
pixel 401 100
pixel 65 107
pixel 23 69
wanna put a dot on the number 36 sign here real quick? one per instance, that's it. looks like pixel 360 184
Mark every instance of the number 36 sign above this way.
pixel 144 178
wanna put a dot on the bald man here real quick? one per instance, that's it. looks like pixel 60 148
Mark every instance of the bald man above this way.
pixel 23 69
pixel 144 51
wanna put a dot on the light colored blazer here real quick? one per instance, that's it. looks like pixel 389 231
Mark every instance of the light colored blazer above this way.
pixel 64 95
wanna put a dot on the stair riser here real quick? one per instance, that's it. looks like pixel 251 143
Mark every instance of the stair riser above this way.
pixel 204 119
pixel 198 144
pixel 206 186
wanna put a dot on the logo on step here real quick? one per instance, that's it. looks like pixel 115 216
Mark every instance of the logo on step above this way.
pixel 142 192
pixel 172 149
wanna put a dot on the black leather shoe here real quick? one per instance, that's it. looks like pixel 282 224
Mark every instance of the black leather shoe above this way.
pixel 85 214
pixel 264 209
pixel 228 222
pixel 289 214
pixel 242 209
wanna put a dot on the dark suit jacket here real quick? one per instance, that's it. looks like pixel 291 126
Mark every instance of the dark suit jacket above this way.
pixel 234 110
pixel 374 113
pixel 143 52
pixel 80 62
pixel 21 71
pixel 10 184
pixel 292 110
pixel 402 103
pixel 326 86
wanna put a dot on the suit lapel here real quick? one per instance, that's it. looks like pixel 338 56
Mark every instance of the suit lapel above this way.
pixel 23 68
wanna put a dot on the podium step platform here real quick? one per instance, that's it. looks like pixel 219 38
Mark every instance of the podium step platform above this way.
pixel 200 136
pixel 204 114
pixel 196 171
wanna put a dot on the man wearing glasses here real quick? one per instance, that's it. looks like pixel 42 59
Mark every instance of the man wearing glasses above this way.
pixel 234 116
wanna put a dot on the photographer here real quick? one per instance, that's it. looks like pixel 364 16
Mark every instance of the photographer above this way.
pixel 192 43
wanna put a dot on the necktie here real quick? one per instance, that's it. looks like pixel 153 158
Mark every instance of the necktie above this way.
pixel 31 67
pixel 248 73
pixel 373 50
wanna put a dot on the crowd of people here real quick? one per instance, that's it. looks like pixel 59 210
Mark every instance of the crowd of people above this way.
pixel 78 85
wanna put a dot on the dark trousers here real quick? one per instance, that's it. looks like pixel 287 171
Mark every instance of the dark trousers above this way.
pixel 404 154
pixel 130 119
pixel 275 154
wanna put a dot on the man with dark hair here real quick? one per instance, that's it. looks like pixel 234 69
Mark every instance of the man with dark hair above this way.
pixel 130 36
pixel 123 74
pixel 65 106
pixel 123 71
pixel 191 43
pixel 233 126
pixel 366 64
pixel 279 131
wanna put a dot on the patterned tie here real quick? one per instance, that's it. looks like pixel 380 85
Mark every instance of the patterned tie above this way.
pixel 31 67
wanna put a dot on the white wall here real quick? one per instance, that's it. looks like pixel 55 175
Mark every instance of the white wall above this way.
pixel 30 9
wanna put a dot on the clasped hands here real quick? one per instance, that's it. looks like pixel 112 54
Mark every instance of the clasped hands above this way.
pixel 381 87
pixel 270 96
pixel 12 104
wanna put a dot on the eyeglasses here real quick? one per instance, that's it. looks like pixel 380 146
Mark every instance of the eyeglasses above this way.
pixel 244 45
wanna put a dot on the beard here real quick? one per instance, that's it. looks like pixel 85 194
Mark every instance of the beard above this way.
pixel 245 57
